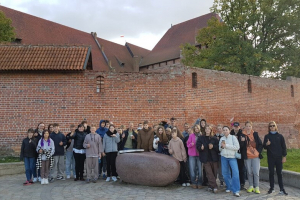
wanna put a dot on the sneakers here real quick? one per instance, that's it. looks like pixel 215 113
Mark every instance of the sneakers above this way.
pixel 61 178
pixel 221 184
pixel 87 180
pixel 107 179
pixel 46 182
pixel 200 186
pixel 184 184
pixel 34 179
pixel 271 190
pixel 194 186
pixel 42 181
pixel 51 179
pixel 250 189
pixel 30 181
pixel 283 192
pixel 104 176
pixel 187 184
pixel 215 190
pixel 27 183
pixel 209 189
pixel 39 179
pixel 227 191
pixel 68 176
pixel 94 180
pixel 114 178
pixel 256 190
pixel 237 194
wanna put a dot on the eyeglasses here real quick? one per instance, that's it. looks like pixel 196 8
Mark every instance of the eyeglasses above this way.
pixel 272 126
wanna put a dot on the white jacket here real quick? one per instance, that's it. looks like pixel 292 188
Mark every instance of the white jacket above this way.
pixel 232 146
pixel 155 146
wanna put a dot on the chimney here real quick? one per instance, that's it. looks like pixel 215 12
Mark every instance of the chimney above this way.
pixel 136 64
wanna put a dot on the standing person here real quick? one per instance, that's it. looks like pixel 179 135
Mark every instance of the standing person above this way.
pixel 120 132
pixel 129 138
pixel 254 149
pixel 28 155
pixel 194 160
pixel 60 141
pixel 50 128
pixel 185 133
pixel 238 133
pixel 101 131
pixel 228 146
pixel 46 149
pixel 94 149
pixel 110 146
pixel 276 151
pixel 219 134
pixel 79 151
pixel 70 160
pixel 155 129
pixel 162 141
pixel 37 136
pixel 208 146
pixel 168 133
pixel 202 130
pixel 145 138
pixel 177 150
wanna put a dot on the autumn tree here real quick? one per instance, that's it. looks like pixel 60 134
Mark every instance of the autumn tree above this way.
pixel 250 37
pixel 7 33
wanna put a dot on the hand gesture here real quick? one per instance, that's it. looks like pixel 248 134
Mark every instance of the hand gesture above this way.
pixel 88 145
pixel 192 143
pixel 29 140
pixel 113 135
pixel 100 155
pixel 268 142
pixel 123 135
pixel 242 139
pixel 61 143
pixel 210 146
pixel 202 147
pixel 70 140
pixel 283 159
pixel 103 154
pixel 35 134
pixel 223 145
pixel 132 137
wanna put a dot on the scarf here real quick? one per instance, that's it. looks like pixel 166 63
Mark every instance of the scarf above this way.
pixel 109 133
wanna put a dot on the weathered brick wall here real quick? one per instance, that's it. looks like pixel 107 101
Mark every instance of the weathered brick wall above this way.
pixel 69 97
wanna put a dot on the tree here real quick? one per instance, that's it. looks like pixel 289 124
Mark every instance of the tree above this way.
pixel 7 33
pixel 251 37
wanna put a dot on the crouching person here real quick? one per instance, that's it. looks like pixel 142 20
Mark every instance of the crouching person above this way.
pixel 94 149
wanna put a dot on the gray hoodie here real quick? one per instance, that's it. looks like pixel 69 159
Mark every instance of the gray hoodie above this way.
pixel 95 142
pixel 110 144
pixel 46 147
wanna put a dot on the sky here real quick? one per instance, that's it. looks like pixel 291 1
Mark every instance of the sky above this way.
pixel 141 22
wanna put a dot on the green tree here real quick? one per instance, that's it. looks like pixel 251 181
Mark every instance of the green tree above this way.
pixel 253 36
pixel 7 33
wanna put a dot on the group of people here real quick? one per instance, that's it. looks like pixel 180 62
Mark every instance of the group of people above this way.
pixel 204 154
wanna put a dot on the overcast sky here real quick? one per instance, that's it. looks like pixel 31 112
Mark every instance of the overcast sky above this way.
pixel 142 22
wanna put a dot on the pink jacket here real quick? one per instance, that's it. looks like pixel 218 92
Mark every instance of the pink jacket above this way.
pixel 192 149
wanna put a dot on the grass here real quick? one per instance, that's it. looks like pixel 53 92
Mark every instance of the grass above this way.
pixel 292 160
pixel 9 159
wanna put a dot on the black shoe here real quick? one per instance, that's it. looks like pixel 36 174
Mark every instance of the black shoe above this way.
pixel 51 180
pixel 221 184
pixel 283 192
pixel 271 190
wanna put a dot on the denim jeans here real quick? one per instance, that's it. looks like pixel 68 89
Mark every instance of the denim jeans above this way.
pixel 70 161
pixel 195 169
pixel 232 180
pixel 29 167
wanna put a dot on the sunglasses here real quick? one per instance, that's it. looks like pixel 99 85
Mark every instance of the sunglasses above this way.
pixel 272 126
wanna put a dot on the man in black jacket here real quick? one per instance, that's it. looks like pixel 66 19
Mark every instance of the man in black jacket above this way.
pixel 129 138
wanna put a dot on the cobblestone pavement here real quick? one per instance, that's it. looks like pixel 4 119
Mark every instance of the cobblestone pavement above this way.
pixel 11 188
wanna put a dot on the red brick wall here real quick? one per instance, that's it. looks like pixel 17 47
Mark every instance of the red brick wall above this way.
pixel 69 97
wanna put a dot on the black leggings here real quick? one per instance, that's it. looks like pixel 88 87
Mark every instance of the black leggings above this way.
pixel 79 164
pixel 275 162
pixel 111 163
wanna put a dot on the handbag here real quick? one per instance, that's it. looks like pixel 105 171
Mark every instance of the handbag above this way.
pixel 237 155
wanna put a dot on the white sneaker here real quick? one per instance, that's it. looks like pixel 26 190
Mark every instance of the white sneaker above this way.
pixel 188 184
pixel 107 179
pixel 227 191
pixel 237 194
pixel 34 180
pixel 39 179
pixel 74 176
pixel 42 181
pixel 184 184
pixel 46 181
pixel 68 176
pixel 114 178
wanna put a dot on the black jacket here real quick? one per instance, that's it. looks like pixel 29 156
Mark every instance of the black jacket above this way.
pixel 78 139
pixel 243 144
pixel 123 140
pixel 57 138
pixel 277 148
pixel 203 154
pixel 28 149
pixel 259 146
pixel 68 138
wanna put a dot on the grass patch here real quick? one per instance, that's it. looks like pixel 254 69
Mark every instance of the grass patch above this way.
pixel 9 159
pixel 292 160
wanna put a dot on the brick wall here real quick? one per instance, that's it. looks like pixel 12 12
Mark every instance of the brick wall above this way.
pixel 70 97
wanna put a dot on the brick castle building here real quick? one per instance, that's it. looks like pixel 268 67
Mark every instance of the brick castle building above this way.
pixel 54 73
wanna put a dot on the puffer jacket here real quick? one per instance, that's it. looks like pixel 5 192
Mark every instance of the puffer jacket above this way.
pixel 110 144
pixel 232 146
pixel 78 139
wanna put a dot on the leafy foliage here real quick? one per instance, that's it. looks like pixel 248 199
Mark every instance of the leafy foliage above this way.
pixel 7 33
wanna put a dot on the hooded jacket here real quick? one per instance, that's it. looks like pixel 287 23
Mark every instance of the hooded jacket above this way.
pixel 110 143
pixel 101 130
pixel 57 138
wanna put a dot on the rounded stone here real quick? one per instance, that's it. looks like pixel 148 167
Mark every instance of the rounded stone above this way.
pixel 147 168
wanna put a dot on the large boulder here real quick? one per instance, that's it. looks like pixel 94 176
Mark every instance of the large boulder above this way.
pixel 148 168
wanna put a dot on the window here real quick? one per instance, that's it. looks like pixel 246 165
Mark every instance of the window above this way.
pixel 292 91
pixel 100 84
pixel 194 80
pixel 249 86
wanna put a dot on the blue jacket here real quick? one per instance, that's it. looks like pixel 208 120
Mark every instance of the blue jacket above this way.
pixel 57 138
pixel 101 130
